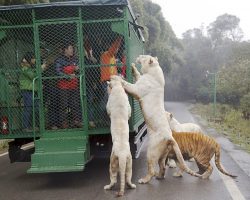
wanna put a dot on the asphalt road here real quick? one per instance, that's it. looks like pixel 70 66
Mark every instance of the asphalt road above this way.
pixel 16 184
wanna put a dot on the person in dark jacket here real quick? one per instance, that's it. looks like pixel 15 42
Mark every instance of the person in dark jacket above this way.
pixel 68 87
pixel 50 90
pixel 92 75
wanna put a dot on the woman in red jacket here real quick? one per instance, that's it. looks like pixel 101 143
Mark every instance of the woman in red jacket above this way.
pixel 68 86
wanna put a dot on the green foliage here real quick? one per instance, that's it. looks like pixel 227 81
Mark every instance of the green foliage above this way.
pixel 198 58
pixel 203 95
pixel 231 124
pixel 3 144
pixel 237 128
pixel 245 106
pixel 218 50
pixel 234 81
pixel 225 26
pixel 231 117
pixel 160 38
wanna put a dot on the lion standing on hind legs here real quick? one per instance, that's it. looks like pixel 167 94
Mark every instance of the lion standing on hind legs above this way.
pixel 119 110
pixel 149 90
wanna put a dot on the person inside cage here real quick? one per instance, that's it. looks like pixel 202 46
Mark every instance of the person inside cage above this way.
pixel 108 60
pixel 49 88
pixel 91 74
pixel 27 75
pixel 68 87
pixel 122 63
pixel 108 66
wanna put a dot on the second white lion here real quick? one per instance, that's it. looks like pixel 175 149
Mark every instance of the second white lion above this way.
pixel 119 110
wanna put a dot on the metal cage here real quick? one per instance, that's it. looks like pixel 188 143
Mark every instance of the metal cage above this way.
pixel 63 92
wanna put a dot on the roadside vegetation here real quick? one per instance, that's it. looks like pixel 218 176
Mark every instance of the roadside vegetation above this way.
pixel 228 121
pixel 3 145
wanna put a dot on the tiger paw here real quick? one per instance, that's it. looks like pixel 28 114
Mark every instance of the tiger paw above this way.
pixel 160 177
pixel 177 174
pixel 120 193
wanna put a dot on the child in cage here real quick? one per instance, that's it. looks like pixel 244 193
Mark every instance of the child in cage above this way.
pixel 27 75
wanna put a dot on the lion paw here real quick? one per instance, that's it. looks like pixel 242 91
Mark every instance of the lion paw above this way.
pixel 134 69
pixel 132 186
pixel 171 164
pixel 107 187
pixel 120 193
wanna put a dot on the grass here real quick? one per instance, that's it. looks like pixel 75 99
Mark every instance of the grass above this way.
pixel 3 145
pixel 228 121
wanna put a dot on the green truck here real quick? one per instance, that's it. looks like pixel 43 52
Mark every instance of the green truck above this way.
pixel 68 128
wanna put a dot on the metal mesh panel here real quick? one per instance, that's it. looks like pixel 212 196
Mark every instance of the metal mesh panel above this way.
pixel 60 75
pixel 56 13
pixel 134 47
pixel 15 17
pixel 100 13
pixel 16 41
pixel 99 38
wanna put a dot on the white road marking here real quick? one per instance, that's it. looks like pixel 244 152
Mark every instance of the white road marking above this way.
pixel 231 187
pixel 3 154
pixel 24 147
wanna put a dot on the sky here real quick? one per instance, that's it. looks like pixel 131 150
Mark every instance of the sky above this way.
pixel 188 14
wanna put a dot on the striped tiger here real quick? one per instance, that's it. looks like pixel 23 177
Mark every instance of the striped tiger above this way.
pixel 202 148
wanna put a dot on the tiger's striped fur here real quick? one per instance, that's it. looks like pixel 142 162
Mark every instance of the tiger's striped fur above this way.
pixel 202 148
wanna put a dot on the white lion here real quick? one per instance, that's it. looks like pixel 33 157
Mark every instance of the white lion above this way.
pixel 119 110
pixel 149 90
pixel 184 127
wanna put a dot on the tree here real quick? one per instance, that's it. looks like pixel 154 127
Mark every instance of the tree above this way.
pixel 218 50
pixel 225 27
pixel 160 38
pixel 198 58
pixel 245 106
pixel 234 80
